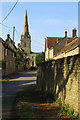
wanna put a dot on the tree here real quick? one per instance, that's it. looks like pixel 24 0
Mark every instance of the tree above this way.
pixel 40 58
pixel 21 58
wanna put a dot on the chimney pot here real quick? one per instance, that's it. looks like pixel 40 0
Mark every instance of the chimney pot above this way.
pixel 8 36
pixel 65 33
pixel 74 32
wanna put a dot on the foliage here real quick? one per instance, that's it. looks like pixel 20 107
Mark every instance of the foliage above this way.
pixel 75 115
pixel 20 57
pixel 32 52
pixel 58 101
pixel 3 64
pixel 49 59
pixel 69 110
pixel 40 58
pixel 65 108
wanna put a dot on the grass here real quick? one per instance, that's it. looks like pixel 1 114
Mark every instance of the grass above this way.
pixel 23 107
pixel 27 100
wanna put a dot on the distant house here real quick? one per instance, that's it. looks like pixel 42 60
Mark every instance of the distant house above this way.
pixel 7 58
pixel 32 62
pixel 50 43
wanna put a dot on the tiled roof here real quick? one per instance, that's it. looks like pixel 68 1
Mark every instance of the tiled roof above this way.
pixel 73 44
pixel 51 41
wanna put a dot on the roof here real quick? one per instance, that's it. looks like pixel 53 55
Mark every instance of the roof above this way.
pixel 51 41
pixel 71 45
pixel 68 40
pixel 5 45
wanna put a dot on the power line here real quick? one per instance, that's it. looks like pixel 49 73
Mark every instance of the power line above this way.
pixel 10 11
pixel 17 33
pixel 5 26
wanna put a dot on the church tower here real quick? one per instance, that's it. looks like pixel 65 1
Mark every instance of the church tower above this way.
pixel 25 37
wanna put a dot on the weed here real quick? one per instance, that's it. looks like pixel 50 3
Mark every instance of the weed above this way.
pixel 75 115
pixel 70 111
pixel 58 101
pixel 62 109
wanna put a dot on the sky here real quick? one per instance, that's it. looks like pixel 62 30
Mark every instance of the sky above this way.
pixel 45 19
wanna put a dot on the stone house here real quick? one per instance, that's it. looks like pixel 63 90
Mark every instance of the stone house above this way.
pixel 50 43
pixel 32 57
pixel 53 45
pixel 70 49
pixel 10 42
pixel 7 58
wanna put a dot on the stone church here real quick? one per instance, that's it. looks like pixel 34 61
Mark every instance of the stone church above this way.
pixel 25 43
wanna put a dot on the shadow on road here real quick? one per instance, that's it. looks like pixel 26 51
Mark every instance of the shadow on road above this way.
pixel 11 85
pixel 19 74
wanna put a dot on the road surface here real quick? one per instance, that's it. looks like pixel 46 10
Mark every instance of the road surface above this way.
pixel 11 86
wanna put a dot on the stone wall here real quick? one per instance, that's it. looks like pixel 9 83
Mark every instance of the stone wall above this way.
pixel 62 78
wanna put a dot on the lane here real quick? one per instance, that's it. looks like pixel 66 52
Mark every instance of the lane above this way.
pixel 11 85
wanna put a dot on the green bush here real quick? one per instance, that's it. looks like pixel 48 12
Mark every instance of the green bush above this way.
pixel 58 101
pixel 40 58
pixel 70 111
pixel 62 109
pixel 75 115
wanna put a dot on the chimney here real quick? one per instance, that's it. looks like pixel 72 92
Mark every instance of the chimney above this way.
pixel 8 36
pixel 65 33
pixel 74 32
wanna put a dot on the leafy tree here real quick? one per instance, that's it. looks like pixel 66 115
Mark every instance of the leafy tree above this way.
pixel 20 57
pixel 40 58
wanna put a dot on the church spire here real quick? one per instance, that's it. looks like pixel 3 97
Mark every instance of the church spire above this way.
pixel 26 30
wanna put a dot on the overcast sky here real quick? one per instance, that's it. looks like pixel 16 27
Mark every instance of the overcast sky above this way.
pixel 46 19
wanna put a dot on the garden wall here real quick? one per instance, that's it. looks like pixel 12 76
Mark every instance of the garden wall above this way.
pixel 62 78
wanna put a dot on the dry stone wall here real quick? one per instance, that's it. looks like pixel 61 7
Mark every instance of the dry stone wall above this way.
pixel 62 78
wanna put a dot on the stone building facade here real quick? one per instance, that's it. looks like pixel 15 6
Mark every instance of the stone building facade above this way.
pixel 70 49
pixel 56 47
pixel 25 42
pixel 7 58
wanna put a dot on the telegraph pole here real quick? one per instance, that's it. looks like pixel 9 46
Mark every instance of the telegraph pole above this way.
pixel 13 32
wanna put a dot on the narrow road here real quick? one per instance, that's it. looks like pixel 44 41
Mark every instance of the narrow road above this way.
pixel 11 86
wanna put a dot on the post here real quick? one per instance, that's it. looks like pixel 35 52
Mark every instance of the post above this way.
pixel 13 32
